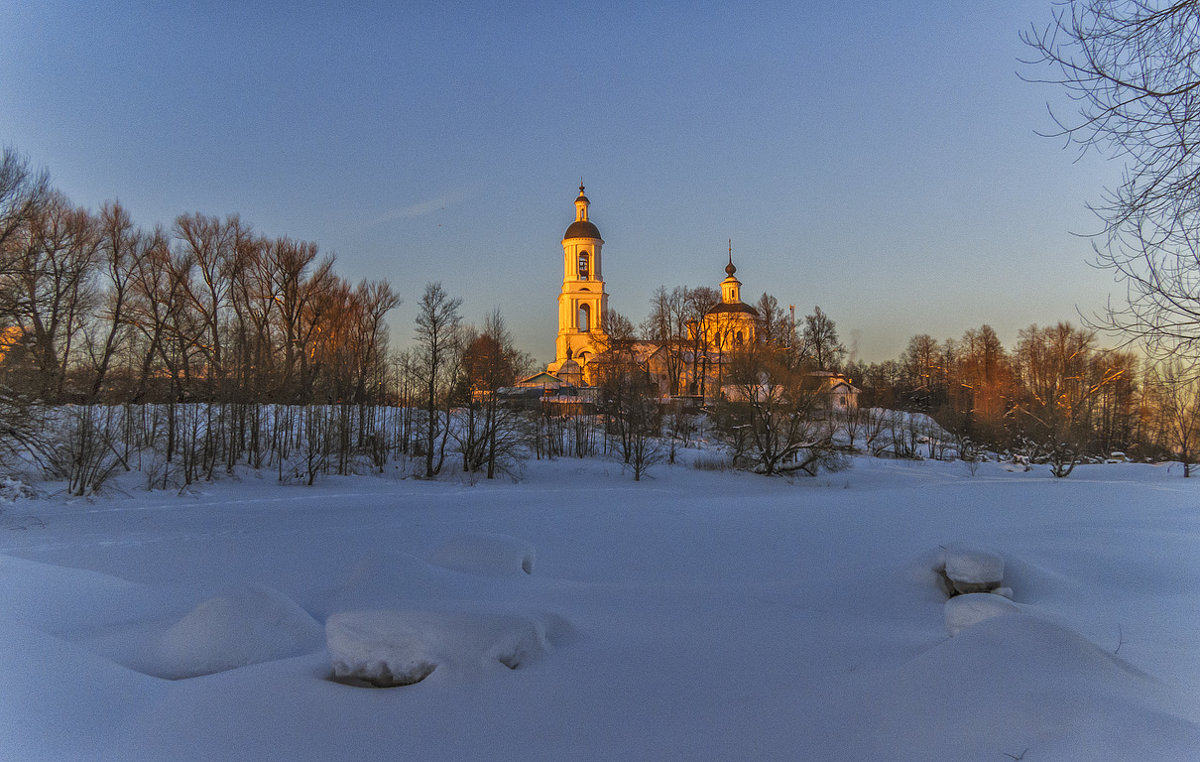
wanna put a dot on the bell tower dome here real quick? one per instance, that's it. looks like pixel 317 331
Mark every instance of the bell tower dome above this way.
pixel 582 301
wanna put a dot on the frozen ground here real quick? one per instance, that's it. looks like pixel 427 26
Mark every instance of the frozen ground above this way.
pixel 693 615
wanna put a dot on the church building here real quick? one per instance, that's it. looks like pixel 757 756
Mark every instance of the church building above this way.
pixel 732 324
pixel 582 303
pixel 583 300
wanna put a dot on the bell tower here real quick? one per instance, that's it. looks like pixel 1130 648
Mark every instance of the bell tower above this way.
pixel 582 301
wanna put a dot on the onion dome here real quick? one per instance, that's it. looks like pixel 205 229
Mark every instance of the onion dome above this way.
pixel 582 227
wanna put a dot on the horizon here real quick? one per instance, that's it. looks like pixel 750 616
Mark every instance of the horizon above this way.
pixel 852 161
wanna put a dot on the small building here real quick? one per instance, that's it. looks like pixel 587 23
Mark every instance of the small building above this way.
pixel 545 388
pixel 840 395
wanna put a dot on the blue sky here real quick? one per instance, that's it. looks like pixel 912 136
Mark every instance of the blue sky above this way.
pixel 879 160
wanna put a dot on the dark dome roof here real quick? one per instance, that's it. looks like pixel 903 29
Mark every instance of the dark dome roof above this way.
pixel 736 307
pixel 582 229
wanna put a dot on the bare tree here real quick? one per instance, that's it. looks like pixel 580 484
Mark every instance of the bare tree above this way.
pixel 698 303
pixel 213 246
pixel 251 339
pixel 1178 391
pixel 49 289
pixel 490 434
pixel 294 279
pixel 152 310
pixel 774 325
pixel 771 415
pixel 628 398
pixel 821 343
pixel 23 192
pixel 925 374
pixel 121 246
pixel 437 336
pixel 1132 68
pixel 984 376
pixel 1060 373
pixel 667 326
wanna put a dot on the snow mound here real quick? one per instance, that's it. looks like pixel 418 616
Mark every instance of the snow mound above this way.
pixel 12 490
pixel 379 579
pixel 1012 683
pixel 396 580
pixel 487 554
pixel 970 570
pixel 962 611
pixel 245 627
pixel 62 598
pixel 389 648
pixel 59 697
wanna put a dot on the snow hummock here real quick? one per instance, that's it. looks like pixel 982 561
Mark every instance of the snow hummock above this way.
pixel 962 611
pixel 1013 685
pixel 248 626
pixel 382 648
pixel 972 570
pixel 389 648
pixel 489 554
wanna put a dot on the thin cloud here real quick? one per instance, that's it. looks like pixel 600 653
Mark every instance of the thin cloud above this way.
pixel 421 208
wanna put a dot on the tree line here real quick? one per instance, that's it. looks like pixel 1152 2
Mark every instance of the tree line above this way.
pixel 94 308
pixel 1055 395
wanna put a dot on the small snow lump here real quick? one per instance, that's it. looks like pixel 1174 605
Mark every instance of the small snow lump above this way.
pixel 970 570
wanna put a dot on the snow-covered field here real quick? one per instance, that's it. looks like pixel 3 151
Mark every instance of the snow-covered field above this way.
pixel 580 615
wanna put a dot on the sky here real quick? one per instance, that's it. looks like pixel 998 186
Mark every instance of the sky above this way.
pixel 880 160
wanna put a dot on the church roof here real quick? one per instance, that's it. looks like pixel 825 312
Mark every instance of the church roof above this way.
pixel 582 229
pixel 734 307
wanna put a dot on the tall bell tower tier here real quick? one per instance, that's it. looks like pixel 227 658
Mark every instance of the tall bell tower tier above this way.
pixel 583 301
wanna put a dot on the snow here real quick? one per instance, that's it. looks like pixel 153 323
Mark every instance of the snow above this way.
pixel 390 648
pixel 692 615
pixel 962 611
pixel 973 567
pixel 234 630
pixel 486 554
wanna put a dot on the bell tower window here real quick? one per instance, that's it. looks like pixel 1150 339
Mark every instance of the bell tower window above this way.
pixel 583 264
pixel 585 318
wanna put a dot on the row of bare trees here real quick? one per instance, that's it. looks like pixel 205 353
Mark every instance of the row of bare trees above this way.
pixel 1055 395
pixel 95 308
pixel 1129 71
pixel 453 375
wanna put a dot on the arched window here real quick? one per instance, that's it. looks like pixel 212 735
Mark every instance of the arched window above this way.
pixel 738 340
pixel 583 264
pixel 585 317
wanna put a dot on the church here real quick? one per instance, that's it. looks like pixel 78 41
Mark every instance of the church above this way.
pixel 583 302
